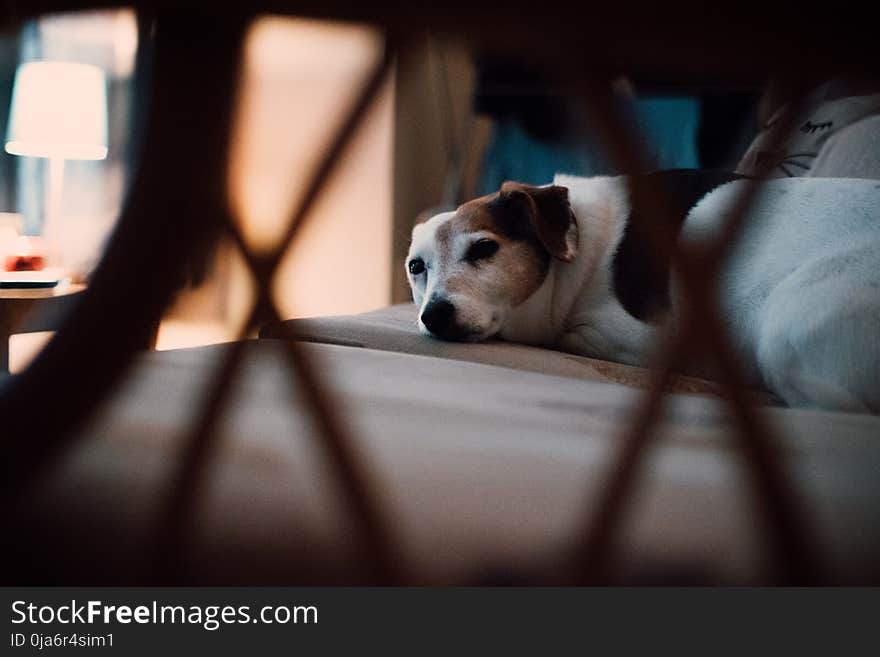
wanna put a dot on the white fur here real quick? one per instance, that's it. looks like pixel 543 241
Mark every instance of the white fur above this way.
pixel 801 294
pixel 424 243
pixel 573 310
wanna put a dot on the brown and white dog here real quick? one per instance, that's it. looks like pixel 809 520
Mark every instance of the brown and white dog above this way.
pixel 564 266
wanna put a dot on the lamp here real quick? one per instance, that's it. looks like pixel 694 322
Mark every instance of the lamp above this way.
pixel 59 111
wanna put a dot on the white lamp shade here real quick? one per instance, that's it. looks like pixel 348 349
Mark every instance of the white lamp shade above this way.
pixel 59 110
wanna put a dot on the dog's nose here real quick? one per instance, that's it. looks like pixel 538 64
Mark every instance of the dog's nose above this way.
pixel 439 317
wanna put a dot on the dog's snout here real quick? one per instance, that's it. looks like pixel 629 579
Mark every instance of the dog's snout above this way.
pixel 439 317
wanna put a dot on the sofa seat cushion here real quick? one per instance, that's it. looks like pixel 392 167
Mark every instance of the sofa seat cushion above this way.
pixel 394 329
pixel 479 472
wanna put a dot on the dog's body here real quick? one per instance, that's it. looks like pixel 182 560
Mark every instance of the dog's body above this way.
pixel 564 266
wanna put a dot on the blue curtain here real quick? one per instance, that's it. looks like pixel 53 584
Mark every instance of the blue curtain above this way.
pixel 668 125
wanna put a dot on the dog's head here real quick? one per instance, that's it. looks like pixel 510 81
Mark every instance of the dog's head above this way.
pixel 469 268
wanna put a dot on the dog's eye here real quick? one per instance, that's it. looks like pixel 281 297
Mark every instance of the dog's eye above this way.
pixel 480 250
pixel 416 266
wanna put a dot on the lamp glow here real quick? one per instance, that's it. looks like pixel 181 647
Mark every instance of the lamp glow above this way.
pixel 59 110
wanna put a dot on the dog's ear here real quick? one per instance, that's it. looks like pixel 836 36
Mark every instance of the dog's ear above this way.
pixel 549 213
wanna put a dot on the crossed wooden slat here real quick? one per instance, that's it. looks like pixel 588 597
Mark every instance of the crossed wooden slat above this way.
pixel 702 330
pixel 381 557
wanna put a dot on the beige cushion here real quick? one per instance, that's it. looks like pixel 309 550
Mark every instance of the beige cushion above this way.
pixel 477 470
pixel 394 329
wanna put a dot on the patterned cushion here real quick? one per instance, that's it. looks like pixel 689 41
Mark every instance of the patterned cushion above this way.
pixel 836 139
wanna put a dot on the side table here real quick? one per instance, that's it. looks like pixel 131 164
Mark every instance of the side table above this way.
pixel 17 304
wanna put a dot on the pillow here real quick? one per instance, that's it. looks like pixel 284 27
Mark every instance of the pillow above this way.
pixel 852 152
pixel 837 139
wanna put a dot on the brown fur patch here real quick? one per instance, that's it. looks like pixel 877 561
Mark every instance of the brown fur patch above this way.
pixel 525 261
pixel 550 214
pixel 470 217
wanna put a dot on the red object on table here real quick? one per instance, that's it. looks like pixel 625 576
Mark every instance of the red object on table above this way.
pixel 24 262
pixel 28 255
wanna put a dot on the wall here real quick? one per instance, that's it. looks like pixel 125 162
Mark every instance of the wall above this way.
pixel 300 79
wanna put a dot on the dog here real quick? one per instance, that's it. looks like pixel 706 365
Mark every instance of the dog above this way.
pixel 567 266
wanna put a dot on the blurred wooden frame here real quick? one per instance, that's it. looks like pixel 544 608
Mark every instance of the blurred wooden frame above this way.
pixel 187 191
pixel 439 141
